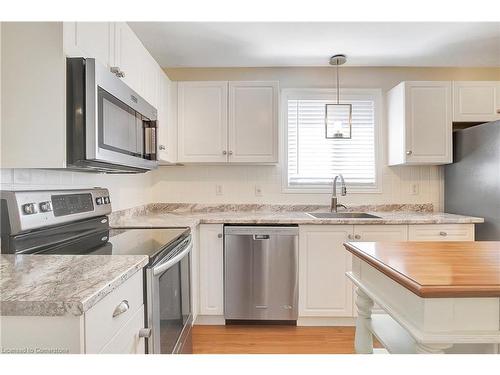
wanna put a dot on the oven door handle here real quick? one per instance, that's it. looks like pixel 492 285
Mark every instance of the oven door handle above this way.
pixel 162 267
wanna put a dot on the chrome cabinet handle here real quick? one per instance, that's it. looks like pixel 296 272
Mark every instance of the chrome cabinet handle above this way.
pixel 145 332
pixel 230 152
pixel 349 236
pixel 121 308
pixel 357 236
pixel 224 152
pixel 219 235
pixel 444 234
pixel 409 152
pixel 117 72
pixel 162 147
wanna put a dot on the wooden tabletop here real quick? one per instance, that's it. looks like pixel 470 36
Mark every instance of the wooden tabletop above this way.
pixel 436 269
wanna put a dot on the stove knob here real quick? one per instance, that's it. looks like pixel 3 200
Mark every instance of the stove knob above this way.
pixel 30 208
pixel 45 207
pixel 106 200
pixel 98 201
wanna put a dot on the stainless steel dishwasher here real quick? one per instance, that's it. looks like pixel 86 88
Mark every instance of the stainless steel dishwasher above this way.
pixel 260 272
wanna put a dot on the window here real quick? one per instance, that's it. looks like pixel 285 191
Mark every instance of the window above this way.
pixel 312 160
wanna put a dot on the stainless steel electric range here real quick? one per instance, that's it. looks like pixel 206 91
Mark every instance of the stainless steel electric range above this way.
pixel 76 222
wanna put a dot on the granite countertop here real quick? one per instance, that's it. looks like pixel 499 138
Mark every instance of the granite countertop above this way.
pixel 176 215
pixel 56 285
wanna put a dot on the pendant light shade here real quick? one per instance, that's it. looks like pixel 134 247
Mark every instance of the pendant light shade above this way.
pixel 338 117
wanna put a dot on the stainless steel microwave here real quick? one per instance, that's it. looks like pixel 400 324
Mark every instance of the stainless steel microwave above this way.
pixel 109 127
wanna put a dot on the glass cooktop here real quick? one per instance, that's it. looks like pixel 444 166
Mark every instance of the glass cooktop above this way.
pixel 129 241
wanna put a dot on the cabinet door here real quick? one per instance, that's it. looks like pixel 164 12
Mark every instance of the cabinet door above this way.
pixel 428 118
pixel 90 39
pixel 167 123
pixel 476 101
pixel 373 233
pixel 253 122
pixel 129 56
pixel 127 340
pixel 202 121
pixel 150 76
pixel 324 289
pixel 441 232
pixel 211 269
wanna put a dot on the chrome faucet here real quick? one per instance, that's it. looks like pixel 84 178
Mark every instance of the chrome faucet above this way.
pixel 343 191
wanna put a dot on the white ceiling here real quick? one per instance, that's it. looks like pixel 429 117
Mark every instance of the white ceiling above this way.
pixel 223 44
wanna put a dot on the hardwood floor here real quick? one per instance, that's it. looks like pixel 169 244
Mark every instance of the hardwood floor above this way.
pixel 240 339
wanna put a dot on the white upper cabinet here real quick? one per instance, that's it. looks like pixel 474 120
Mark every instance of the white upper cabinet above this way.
pixel 90 39
pixel 115 45
pixel 167 120
pixel 420 123
pixel 202 122
pixel 221 122
pixel 253 122
pixel 129 56
pixel 476 101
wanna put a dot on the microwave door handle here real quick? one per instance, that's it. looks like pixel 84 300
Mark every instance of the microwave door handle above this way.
pixel 162 267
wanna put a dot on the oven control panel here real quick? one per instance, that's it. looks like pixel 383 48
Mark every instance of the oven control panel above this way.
pixel 27 210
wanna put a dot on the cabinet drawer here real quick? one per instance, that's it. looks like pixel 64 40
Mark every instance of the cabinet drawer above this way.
pixel 127 340
pixel 441 232
pixel 100 325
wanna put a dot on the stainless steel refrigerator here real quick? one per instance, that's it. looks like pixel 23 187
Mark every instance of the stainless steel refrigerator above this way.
pixel 472 182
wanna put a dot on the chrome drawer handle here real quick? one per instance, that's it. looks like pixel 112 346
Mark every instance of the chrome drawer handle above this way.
pixel 357 236
pixel 121 308
pixel 257 237
pixel 444 234
pixel 349 236
pixel 409 152
pixel 145 332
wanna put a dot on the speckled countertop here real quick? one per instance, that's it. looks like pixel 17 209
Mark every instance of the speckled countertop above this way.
pixel 178 215
pixel 56 285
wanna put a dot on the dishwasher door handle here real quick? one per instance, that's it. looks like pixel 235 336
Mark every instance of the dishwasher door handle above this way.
pixel 259 237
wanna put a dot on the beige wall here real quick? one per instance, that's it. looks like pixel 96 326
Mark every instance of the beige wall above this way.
pixel 198 183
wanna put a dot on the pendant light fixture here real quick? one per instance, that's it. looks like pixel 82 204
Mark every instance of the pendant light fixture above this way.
pixel 338 117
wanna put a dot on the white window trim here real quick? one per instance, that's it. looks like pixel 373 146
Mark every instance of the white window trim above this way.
pixel 291 94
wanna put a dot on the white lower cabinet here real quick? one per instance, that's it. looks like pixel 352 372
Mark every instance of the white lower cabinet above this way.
pixel 325 293
pixel 324 290
pixel 211 257
pixel 372 233
pixel 441 232
pixel 96 331
pixel 102 323
pixel 127 340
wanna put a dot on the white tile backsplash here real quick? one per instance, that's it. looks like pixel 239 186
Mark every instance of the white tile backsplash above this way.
pixel 126 190
pixel 197 184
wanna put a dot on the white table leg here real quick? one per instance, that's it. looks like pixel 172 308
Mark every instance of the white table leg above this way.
pixel 422 348
pixel 363 338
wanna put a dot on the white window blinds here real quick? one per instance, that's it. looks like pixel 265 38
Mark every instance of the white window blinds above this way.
pixel 314 160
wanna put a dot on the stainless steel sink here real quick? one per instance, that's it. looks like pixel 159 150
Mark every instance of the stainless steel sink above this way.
pixel 342 215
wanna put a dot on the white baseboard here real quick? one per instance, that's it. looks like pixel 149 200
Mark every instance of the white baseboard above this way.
pixel 210 320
